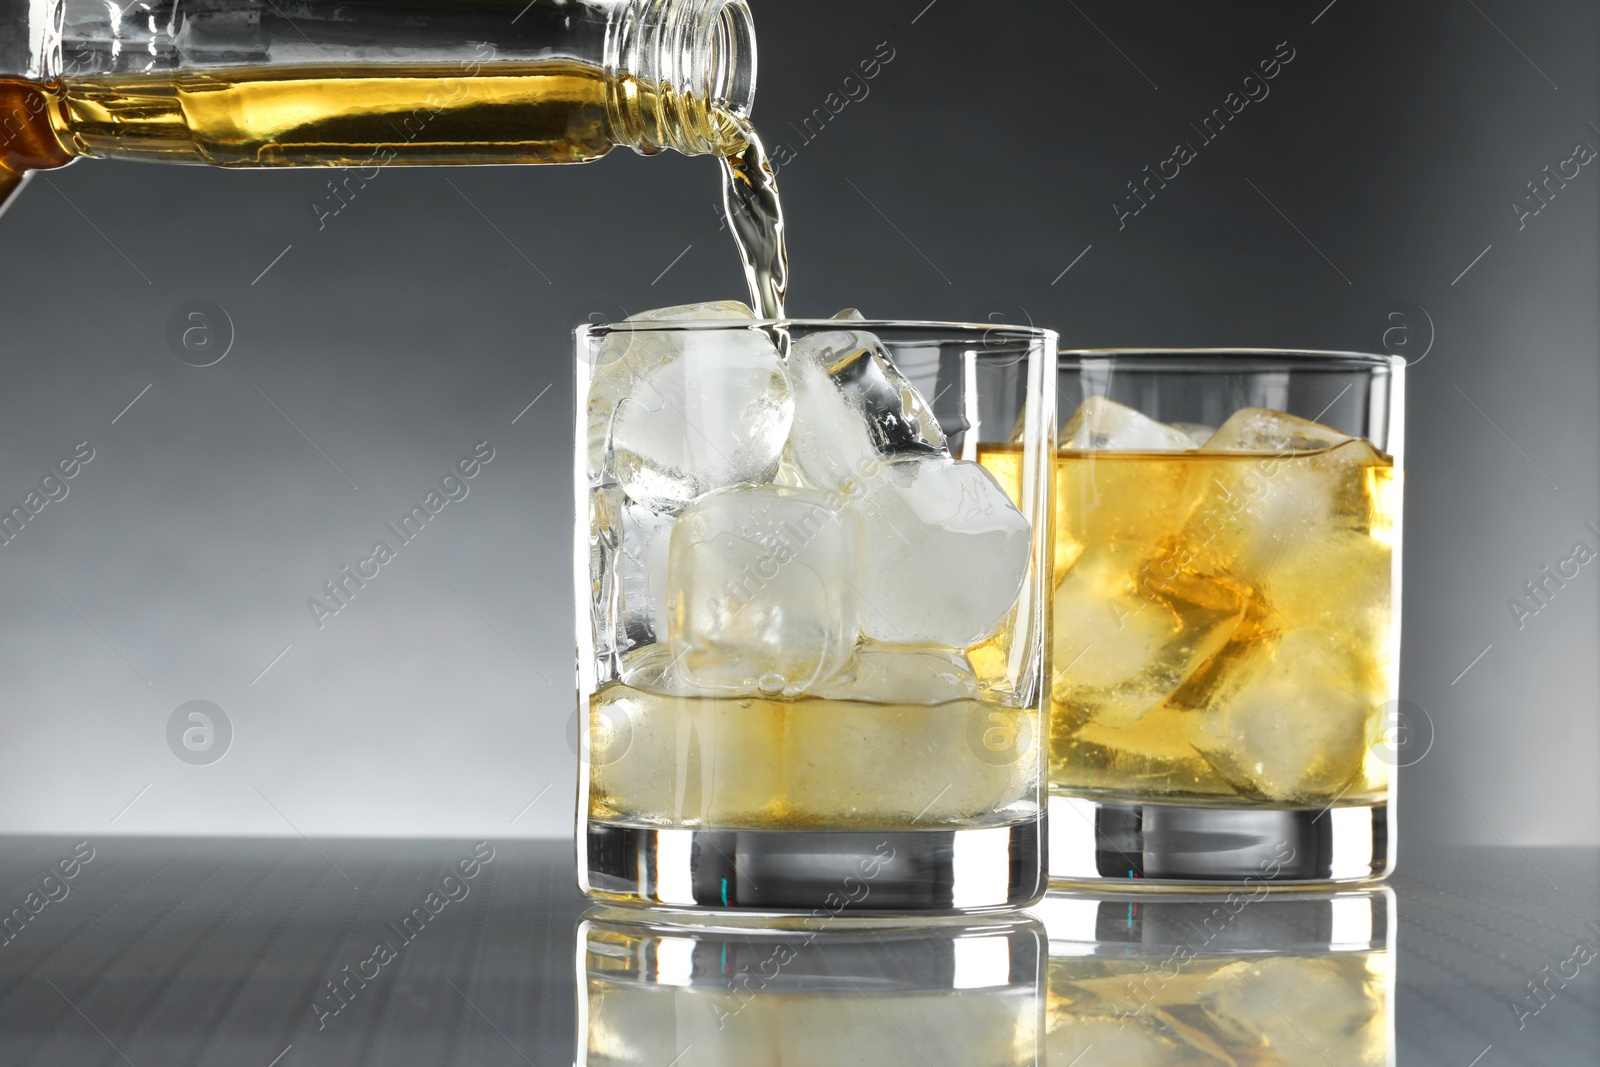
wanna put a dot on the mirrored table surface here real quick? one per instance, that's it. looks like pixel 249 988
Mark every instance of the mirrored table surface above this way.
pixel 287 953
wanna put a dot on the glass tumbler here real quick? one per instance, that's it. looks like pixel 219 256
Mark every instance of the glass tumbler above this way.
pixel 1226 616
pixel 810 562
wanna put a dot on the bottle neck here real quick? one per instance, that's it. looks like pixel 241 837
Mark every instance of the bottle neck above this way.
pixel 682 75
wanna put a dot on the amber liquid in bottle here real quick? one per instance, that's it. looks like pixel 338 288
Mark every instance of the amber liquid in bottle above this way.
pixel 545 112
pixel 27 139
pixel 550 112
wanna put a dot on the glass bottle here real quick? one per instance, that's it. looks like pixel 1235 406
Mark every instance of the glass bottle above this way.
pixel 361 83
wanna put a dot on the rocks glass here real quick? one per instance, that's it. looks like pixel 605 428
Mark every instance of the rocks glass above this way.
pixel 811 561
pixel 1226 616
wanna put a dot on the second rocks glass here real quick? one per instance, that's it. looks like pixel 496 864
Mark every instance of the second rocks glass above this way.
pixel 1226 616
pixel 812 605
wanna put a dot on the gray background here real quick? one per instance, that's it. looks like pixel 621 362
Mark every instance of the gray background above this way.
pixel 432 311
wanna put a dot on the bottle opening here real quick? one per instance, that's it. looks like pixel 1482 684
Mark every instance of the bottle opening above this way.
pixel 734 60
pixel 682 70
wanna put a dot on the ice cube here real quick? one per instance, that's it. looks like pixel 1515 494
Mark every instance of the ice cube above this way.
pixel 1258 511
pixel 1105 425
pixel 715 416
pixel 881 674
pixel 623 357
pixel 642 573
pixel 854 409
pixel 653 669
pixel 761 590
pixel 829 446
pixel 1130 628
pixel 1273 432
pixel 605 557
pixel 1288 720
pixel 1307 499
pixel 899 419
pixel 946 553
pixel 1197 432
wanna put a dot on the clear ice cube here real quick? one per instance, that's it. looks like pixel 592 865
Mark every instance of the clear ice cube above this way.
pixel 1261 430
pixel 1288 721
pixel 605 551
pixel 761 590
pixel 1105 425
pixel 653 669
pixel 1264 511
pixel 946 553
pixel 641 564
pixel 880 674
pixel 623 357
pixel 1197 432
pixel 854 409
pixel 715 416
pixel 1127 635
pixel 1311 533
pixel 829 446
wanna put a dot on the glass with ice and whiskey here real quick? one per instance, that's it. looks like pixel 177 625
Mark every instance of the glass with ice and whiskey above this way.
pixel 811 565
pixel 1226 616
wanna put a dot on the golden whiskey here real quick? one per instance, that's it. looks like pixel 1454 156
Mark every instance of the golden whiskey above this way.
pixel 1222 625
pixel 694 762
pixel 543 112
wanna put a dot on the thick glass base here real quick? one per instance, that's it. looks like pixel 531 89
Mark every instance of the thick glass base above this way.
pixel 858 872
pixel 1095 841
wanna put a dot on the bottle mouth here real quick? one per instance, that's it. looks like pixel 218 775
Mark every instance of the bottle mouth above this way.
pixel 684 75
pixel 733 66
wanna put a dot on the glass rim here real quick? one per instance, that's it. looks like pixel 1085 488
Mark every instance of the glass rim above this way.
pixel 1190 359
pixel 869 325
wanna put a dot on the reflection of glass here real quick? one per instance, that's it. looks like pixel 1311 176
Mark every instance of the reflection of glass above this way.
pixel 817 992
pixel 811 629
pixel 1226 616
pixel 1256 978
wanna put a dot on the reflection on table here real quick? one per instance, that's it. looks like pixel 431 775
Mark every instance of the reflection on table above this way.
pixel 1247 979
pixel 833 991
